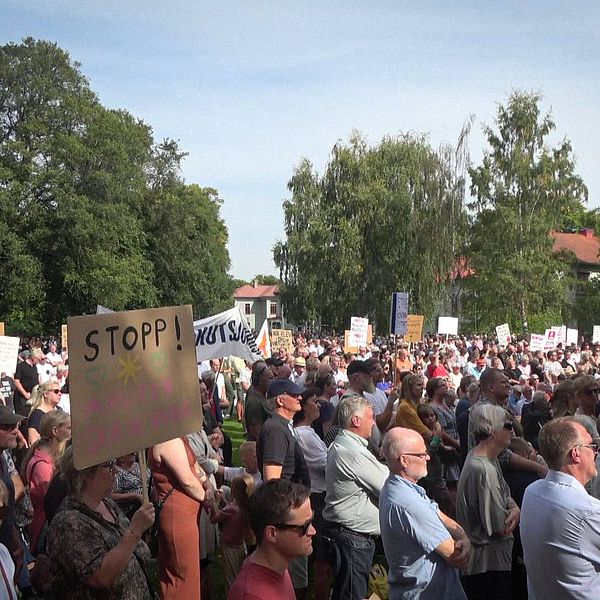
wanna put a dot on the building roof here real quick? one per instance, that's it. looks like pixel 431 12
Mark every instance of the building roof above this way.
pixel 585 245
pixel 258 291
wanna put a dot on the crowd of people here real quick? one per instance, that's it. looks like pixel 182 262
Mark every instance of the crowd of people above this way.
pixel 466 466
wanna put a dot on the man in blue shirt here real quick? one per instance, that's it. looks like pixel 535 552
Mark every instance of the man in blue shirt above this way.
pixel 423 546
pixel 560 521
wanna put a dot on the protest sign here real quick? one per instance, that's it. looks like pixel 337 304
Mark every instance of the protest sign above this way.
pixel 503 334
pixel 414 328
pixel 572 337
pixel 225 334
pixel 448 325
pixel 399 313
pixel 596 334
pixel 561 335
pixel 133 381
pixel 1 327
pixel 9 351
pixel 358 331
pixel 282 338
pixel 550 336
pixel 537 342
pixel 347 346
pixel 64 337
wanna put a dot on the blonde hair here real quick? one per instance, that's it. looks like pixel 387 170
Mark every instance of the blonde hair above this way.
pixel 39 392
pixel 50 421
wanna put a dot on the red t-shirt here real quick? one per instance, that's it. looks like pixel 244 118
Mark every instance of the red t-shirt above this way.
pixel 255 582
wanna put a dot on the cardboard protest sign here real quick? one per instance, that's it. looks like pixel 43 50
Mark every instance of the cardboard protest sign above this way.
pixel 572 337
pixel 1 327
pixel 537 342
pixel 225 334
pixel 64 336
pixel 550 336
pixel 9 351
pixel 133 381
pixel 414 328
pixel 282 338
pixel 448 325
pixel 358 331
pixel 399 313
pixel 503 334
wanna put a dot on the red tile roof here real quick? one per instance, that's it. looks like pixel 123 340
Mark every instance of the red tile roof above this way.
pixel 585 245
pixel 260 291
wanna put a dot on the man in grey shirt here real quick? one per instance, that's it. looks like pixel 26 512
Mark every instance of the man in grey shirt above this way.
pixel 353 480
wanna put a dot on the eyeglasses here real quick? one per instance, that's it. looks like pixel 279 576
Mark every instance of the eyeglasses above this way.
pixel 9 427
pixel 508 425
pixel 302 530
pixel 109 464
pixel 419 454
pixel 55 391
pixel 592 447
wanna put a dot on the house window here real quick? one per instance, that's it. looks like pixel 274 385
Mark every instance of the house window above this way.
pixel 247 308
pixel 273 309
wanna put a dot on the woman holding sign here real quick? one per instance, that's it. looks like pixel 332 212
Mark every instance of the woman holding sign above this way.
pixel 98 551
pixel 179 485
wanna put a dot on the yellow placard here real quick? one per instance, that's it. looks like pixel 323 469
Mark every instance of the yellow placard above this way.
pixel 64 336
pixel 2 328
pixel 133 381
pixel 414 332
pixel 282 338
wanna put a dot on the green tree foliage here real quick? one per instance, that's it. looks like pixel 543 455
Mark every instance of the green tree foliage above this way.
pixel 92 211
pixel 380 219
pixel 586 308
pixel 267 280
pixel 522 191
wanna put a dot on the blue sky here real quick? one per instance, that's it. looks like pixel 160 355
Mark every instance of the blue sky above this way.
pixel 249 88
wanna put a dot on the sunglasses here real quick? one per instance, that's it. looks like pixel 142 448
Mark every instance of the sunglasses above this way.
pixel 12 427
pixel 508 425
pixel 109 464
pixel 592 447
pixel 302 530
pixel 55 391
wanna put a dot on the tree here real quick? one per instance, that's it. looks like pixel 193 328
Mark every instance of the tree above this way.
pixel 85 201
pixel 381 219
pixel 267 280
pixel 522 191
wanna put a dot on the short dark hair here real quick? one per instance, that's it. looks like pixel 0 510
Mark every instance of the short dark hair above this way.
pixel 465 382
pixel 556 438
pixel 272 503
pixel 488 378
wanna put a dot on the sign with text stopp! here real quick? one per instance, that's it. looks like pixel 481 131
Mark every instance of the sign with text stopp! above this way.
pixel 133 381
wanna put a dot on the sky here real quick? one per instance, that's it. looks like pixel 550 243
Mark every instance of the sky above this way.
pixel 250 88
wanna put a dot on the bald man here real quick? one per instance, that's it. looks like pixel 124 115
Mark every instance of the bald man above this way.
pixel 424 547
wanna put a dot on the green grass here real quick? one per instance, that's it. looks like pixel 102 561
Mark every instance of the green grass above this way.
pixel 236 433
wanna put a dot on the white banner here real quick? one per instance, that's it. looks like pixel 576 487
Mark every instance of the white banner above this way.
pixel 503 334
pixel 596 334
pixel 448 325
pixel 399 313
pixel 9 350
pixel 561 335
pixel 550 338
pixel 359 328
pixel 225 334
pixel 572 337
pixel 537 342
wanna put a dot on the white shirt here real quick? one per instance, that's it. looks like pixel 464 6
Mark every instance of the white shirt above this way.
pixel 315 456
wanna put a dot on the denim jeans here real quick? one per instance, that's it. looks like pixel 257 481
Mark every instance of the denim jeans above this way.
pixel 354 558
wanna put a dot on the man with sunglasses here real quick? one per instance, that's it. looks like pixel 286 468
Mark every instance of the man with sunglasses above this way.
pixel 423 561
pixel 281 518
pixel 560 521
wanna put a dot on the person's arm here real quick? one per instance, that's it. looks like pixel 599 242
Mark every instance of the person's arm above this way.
pixel 272 471
pixel 19 387
pixel 383 419
pixel 115 561
pixel 520 463
pixel 175 457
pixel 32 435
pixel 457 553
pixel 514 514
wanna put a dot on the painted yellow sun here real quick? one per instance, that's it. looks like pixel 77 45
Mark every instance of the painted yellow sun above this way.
pixel 130 369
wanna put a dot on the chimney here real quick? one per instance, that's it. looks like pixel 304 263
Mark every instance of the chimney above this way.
pixel 254 283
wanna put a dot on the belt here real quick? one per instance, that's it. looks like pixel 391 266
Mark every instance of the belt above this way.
pixel 367 536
